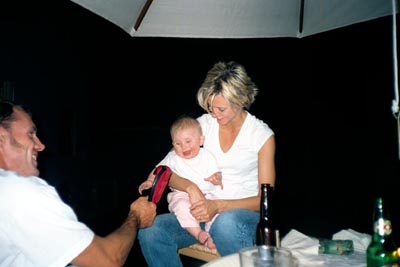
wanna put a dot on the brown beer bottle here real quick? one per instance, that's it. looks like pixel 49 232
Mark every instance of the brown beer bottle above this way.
pixel 266 234
pixel 382 251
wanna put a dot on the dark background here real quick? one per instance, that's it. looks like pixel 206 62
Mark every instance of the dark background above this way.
pixel 103 102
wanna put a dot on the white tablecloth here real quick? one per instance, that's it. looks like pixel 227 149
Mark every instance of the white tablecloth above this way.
pixel 305 250
pixel 324 260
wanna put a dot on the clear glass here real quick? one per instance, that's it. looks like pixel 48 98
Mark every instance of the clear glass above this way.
pixel 266 256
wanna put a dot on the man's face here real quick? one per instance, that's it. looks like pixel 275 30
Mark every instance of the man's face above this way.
pixel 20 146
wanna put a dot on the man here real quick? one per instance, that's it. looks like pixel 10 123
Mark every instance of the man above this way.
pixel 36 227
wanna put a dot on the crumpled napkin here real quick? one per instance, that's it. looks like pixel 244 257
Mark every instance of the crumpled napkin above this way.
pixel 360 240
pixel 295 240
pixel 303 247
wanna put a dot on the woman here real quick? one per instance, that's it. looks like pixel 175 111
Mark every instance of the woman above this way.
pixel 244 147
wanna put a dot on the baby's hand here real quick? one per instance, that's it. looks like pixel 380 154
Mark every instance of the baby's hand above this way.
pixel 145 185
pixel 215 179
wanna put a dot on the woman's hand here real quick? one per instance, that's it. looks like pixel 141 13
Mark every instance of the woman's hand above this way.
pixel 204 210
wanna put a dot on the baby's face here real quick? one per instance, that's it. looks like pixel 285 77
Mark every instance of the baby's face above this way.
pixel 187 142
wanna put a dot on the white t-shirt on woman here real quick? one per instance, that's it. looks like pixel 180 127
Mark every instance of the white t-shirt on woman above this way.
pixel 239 165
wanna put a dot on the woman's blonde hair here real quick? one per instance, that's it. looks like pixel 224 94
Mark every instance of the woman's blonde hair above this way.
pixel 229 80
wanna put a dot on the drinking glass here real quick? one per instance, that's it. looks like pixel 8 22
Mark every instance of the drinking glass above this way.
pixel 266 256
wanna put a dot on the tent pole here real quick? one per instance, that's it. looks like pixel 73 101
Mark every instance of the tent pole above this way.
pixel 142 14
pixel 301 16
pixel 395 102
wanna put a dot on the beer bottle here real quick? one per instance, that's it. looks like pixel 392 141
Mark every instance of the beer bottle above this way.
pixel 382 251
pixel 266 234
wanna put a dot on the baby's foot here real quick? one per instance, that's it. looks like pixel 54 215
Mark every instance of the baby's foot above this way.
pixel 205 239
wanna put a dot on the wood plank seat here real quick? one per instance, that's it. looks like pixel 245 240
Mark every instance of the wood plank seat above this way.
pixel 199 251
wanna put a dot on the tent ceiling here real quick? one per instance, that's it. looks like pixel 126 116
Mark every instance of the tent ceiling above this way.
pixel 235 18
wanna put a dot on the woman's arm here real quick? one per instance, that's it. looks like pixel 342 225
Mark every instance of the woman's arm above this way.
pixel 266 162
pixel 207 209
pixel 187 186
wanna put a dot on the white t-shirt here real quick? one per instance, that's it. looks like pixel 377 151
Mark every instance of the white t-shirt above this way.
pixel 37 229
pixel 239 165
pixel 194 169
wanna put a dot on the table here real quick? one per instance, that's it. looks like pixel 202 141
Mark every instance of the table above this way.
pixel 305 260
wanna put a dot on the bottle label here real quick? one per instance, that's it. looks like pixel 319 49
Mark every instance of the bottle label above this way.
pixel 383 227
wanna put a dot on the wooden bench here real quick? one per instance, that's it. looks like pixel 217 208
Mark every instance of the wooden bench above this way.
pixel 200 252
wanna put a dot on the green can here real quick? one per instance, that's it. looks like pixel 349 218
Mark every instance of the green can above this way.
pixel 338 247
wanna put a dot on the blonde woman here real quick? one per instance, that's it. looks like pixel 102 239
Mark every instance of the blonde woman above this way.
pixel 244 148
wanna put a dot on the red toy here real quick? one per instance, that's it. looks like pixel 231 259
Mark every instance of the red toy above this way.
pixel 162 173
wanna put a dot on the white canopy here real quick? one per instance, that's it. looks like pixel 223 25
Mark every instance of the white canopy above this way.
pixel 235 18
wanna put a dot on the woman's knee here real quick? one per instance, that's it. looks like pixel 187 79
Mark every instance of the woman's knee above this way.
pixel 226 221
pixel 233 221
pixel 149 233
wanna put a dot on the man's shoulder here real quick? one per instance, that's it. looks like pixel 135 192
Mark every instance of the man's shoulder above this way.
pixel 14 186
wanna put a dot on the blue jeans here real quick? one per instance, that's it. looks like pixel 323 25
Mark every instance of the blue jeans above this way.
pixel 231 231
